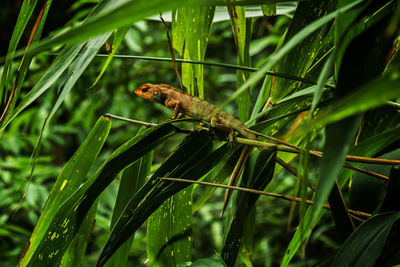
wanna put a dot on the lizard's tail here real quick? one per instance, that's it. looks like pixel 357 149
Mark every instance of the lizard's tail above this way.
pixel 249 134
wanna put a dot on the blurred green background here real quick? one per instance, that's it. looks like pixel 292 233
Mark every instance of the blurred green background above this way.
pixel 114 94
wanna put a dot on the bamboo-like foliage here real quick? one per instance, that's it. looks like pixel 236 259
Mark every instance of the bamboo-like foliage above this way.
pixel 334 74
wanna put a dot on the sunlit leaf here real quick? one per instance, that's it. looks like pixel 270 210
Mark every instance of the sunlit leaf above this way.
pixel 70 178
pixel 122 15
pixel 63 227
pixel 292 43
pixel 191 27
pixel 23 18
pixel 155 192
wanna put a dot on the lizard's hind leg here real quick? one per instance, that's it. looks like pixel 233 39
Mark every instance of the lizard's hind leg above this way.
pixel 231 137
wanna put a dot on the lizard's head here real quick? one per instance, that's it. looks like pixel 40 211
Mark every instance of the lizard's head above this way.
pixel 151 92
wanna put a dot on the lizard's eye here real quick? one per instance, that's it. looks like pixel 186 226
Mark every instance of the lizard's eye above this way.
pixel 144 90
pixel 155 93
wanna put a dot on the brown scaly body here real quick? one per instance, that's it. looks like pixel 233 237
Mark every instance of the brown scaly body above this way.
pixel 185 104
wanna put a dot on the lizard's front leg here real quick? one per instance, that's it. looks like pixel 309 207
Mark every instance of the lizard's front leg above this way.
pixel 177 111
pixel 176 106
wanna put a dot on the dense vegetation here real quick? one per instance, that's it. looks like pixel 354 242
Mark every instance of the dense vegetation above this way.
pixel 82 188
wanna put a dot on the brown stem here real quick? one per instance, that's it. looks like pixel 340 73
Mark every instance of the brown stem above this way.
pixel 293 171
pixel 254 191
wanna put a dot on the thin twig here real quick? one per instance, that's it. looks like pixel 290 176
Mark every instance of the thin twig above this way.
pixel 293 171
pixel 281 148
pixel 171 51
pixel 214 64
pixel 147 124
pixel 295 149
pixel 370 173
pixel 259 192
pixel 372 160
pixel 320 154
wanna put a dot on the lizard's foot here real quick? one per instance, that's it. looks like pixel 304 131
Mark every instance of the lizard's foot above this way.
pixel 199 128
pixel 231 139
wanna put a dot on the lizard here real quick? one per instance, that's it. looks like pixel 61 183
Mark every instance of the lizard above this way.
pixel 185 104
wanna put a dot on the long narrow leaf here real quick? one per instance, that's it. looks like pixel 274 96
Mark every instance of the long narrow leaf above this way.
pixel 150 197
pixel 278 55
pixel 120 16
pixel 23 18
pixel 60 64
pixel 366 244
pixel 72 212
pixel 70 178
pixel 132 179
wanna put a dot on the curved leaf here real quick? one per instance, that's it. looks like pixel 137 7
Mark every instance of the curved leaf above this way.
pixel 72 212
pixel 258 179
pixel 292 43
pixel 124 14
pixel 68 181
pixel 132 179
pixel 70 178
pixel 155 192
pixel 365 245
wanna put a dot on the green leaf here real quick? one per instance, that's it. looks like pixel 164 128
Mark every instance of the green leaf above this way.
pixel 241 28
pixel 155 192
pixel 287 109
pixel 312 49
pixel 257 179
pixel 192 26
pixel 77 249
pixel 299 236
pixel 341 134
pixel 343 222
pixel 269 10
pixel 169 228
pixel 365 245
pixel 24 16
pixel 78 66
pixel 70 178
pixel 368 148
pixel 122 15
pixel 366 192
pixel 169 231
pixel 237 15
pixel 63 227
pixel 339 138
pixel 369 96
pixel 217 175
pixel 62 62
pixel 132 179
pixel 59 65
pixel 26 61
pixel 119 35
pixel 207 263
pixel 241 2
pixel 292 43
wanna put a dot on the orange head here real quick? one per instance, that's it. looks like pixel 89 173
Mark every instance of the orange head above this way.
pixel 152 92
pixel 147 90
